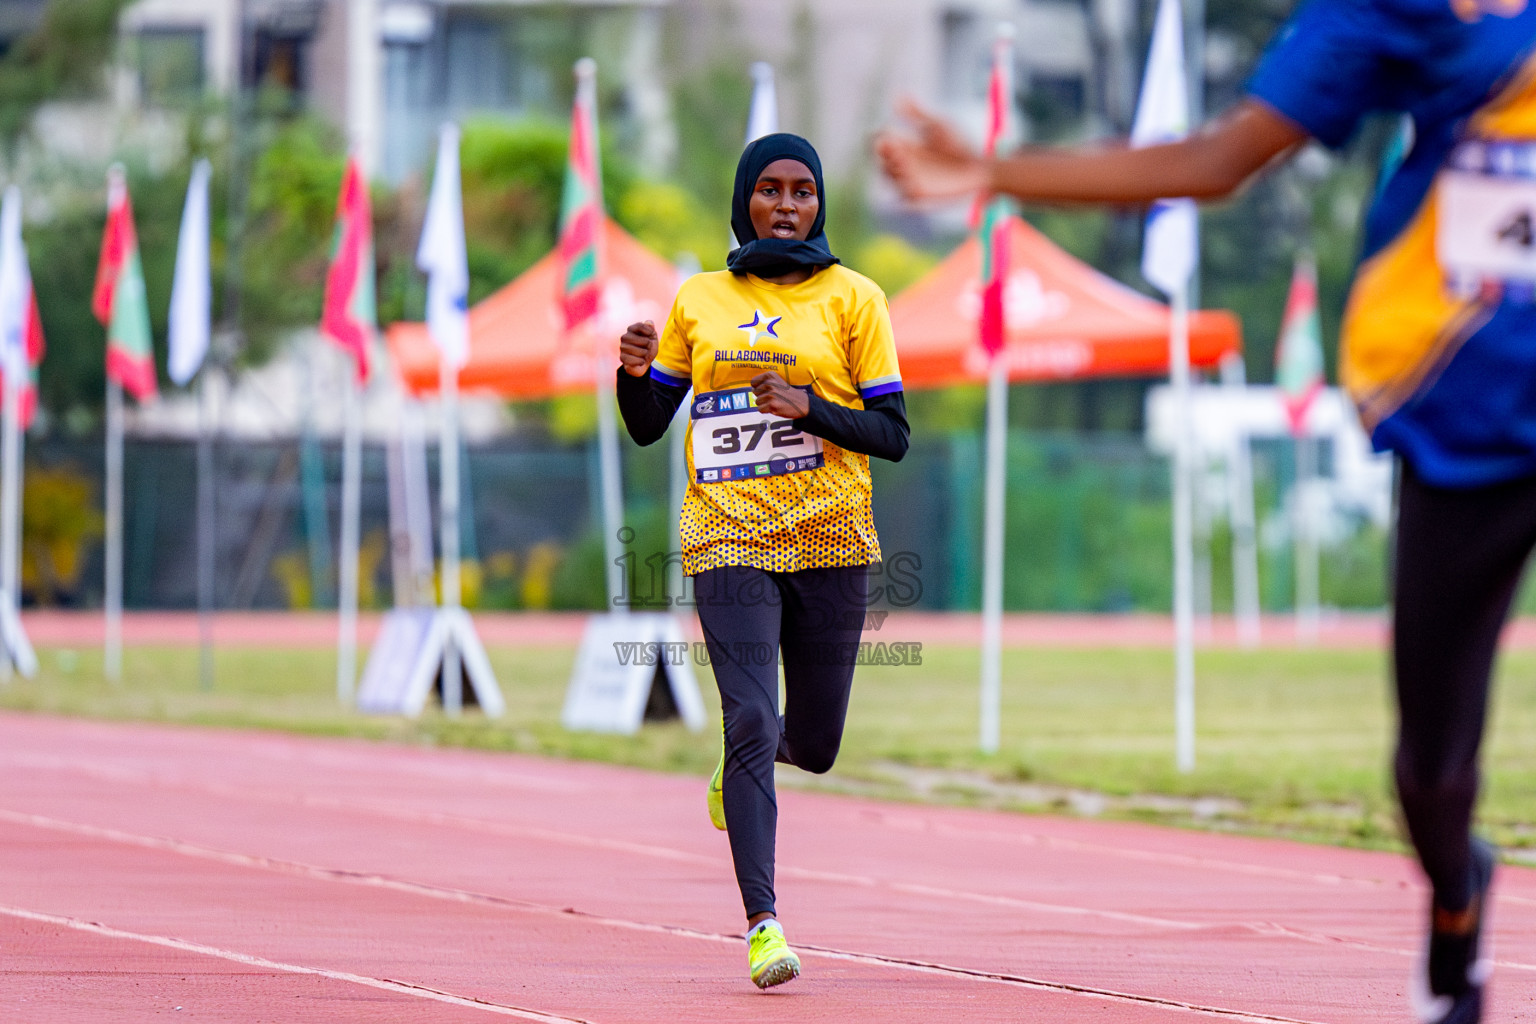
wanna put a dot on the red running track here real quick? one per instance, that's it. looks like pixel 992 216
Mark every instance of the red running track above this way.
pixel 1347 630
pixel 179 873
pixel 55 628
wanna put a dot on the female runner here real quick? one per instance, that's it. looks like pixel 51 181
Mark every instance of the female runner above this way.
pixel 793 368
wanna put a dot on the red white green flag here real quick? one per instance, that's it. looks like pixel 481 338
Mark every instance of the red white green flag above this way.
pixel 996 218
pixel 1299 354
pixel 581 206
pixel 350 317
pixel 119 301
pixel 20 325
pixel 33 340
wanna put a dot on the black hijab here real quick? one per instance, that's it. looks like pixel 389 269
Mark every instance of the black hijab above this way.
pixel 771 257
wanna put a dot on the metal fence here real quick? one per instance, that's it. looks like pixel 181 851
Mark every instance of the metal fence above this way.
pixel 1087 525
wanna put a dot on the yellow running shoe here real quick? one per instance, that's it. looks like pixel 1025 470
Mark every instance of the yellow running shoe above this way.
pixel 769 957
pixel 715 798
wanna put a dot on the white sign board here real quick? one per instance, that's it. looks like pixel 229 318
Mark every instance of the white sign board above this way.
pixel 622 656
pixel 17 647
pixel 387 674
pixel 408 655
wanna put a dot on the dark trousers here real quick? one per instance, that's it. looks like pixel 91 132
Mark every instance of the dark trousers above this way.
pixel 813 619
pixel 1459 556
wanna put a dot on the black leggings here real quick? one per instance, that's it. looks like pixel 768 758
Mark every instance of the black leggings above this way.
pixel 814 618
pixel 1459 556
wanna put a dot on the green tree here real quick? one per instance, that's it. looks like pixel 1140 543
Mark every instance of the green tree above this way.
pixel 289 223
pixel 62 56
pixel 513 174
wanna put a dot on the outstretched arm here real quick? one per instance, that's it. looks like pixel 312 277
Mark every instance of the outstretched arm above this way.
pixel 938 164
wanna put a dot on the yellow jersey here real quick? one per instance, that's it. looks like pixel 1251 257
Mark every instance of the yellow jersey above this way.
pixel 762 493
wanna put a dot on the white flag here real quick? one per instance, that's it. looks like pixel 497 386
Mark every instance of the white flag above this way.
pixel 442 257
pixel 191 288
pixel 15 288
pixel 763 117
pixel 1171 244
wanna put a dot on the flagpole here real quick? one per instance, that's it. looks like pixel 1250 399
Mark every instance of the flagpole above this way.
pixel 448 501
pixel 1299 374
pixel 188 340
pixel 613 494
pixel 10 480
pixel 995 223
pixel 1183 540
pixel 206 525
pixel 113 654
pixel 416 491
pixel 1200 543
pixel 1305 544
pixel 992 557
pixel 351 508
pixel 1245 554
pixel 589 313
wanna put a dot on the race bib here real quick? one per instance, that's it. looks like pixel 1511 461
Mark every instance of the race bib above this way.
pixel 733 441
pixel 1486 220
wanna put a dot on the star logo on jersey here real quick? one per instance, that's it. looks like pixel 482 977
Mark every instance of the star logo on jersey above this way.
pixel 761 325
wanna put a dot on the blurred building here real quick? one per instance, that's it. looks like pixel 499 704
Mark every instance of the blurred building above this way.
pixel 841 63
pixel 17 18
pixel 409 65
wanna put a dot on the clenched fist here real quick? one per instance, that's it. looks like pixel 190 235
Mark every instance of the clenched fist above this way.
pixel 776 397
pixel 637 348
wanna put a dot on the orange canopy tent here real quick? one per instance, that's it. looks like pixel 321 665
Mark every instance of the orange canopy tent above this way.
pixel 1065 321
pixel 518 344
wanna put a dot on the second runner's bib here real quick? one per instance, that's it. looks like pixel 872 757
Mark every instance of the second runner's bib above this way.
pixel 1486 231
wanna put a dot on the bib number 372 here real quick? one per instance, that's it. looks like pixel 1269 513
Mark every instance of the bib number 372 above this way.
pixel 732 440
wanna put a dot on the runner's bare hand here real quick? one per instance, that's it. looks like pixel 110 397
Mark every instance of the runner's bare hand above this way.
pixel 937 164
pixel 775 397
pixel 637 348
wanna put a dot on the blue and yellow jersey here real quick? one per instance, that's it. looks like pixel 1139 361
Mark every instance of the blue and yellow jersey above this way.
pixel 1438 346
pixel 761 493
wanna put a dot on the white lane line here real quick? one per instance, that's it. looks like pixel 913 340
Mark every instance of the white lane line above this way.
pixel 1262 929
pixel 496 828
pixel 911 822
pixel 893 819
pixel 822 952
pixel 360 806
pixel 990 899
pixel 1108 995
pixel 904 822
pixel 887 818
pixel 388 985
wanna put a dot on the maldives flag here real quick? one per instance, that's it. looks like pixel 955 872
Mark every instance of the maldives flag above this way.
pixel 19 323
pixel 581 205
pixel 349 317
pixel 33 340
pixel 994 276
pixel 1299 354
pixel 119 301
pixel 997 216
